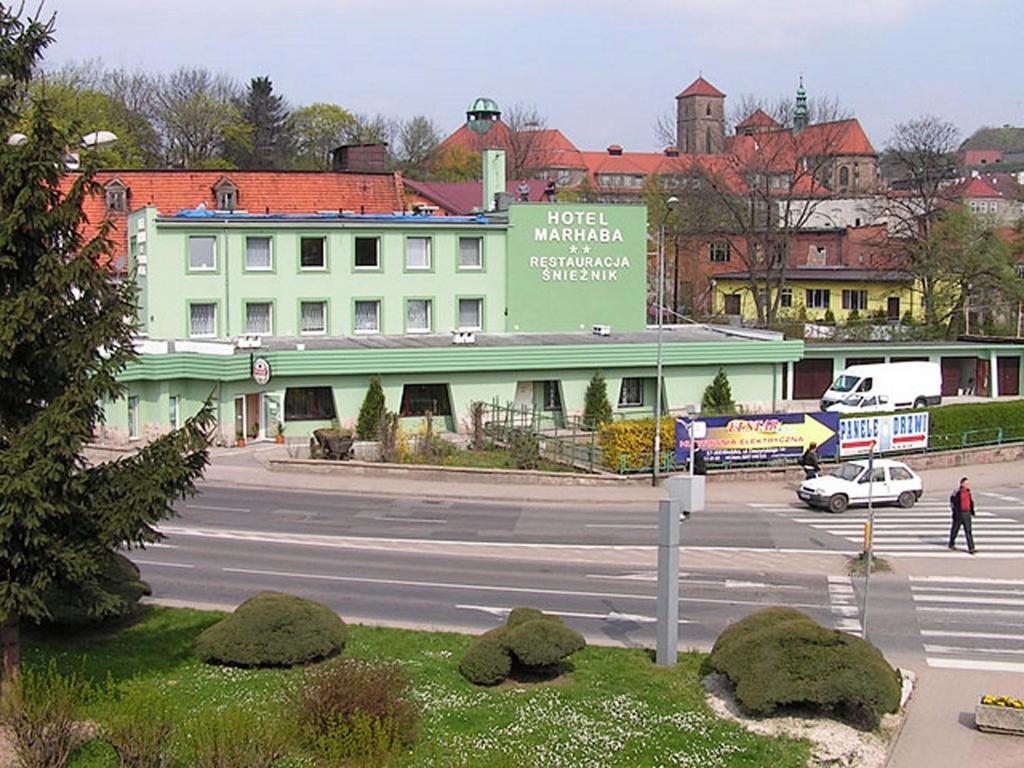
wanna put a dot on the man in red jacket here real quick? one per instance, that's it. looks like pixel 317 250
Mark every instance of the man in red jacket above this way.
pixel 962 505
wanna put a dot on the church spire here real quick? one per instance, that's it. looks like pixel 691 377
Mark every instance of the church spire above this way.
pixel 800 110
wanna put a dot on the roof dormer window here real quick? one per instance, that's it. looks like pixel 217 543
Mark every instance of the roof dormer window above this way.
pixel 225 194
pixel 116 195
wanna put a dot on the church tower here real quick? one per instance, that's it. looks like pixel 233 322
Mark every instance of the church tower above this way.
pixel 800 116
pixel 700 119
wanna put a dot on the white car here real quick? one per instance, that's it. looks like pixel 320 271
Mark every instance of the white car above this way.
pixel 889 481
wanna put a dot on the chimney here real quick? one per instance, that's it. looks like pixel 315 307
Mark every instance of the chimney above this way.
pixel 494 177
pixel 363 158
pixel 614 149
pixel 671 151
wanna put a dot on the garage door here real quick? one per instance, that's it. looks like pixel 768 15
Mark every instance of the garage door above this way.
pixel 951 375
pixel 811 378
pixel 1009 375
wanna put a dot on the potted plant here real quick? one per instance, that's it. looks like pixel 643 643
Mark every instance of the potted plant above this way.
pixel 1000 714
pixel 239 439
pixel 279 434
pixel 254 431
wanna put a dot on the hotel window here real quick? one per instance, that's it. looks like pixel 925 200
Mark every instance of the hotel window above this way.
pixel 857 300
pixel 720 251
pixel 202 320
pixel 258 318
pixel 312 253
pixel 367 315
pixel 552 397
pixel 417 316
pixel 470 252
pixel 417 253
pixel 174 412
pixel 257 253
pixel 786 299
pixel 313 318
pixel 471 314
pixel 367 252
pixel 308 404
pixel 631 394
pixel 817 298
pixel 133 417
pixel 202 253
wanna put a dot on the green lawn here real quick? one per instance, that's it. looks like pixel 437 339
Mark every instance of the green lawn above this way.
pixel 614 708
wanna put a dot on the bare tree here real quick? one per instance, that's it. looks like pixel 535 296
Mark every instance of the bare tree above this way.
pixel 418 137
pixel 920 154
pixel 529 143
pixel 194 108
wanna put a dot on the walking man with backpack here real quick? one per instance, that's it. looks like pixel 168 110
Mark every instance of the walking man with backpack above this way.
pixel 961 503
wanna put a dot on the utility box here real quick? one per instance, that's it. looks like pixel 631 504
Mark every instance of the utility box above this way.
pixel 688 491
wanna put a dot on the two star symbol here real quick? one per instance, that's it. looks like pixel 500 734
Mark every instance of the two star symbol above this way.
pixel 576 249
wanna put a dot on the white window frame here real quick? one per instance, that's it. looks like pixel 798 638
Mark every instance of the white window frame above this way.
pixel 479 312
pixel 479 253
pixel 429 255
pixel 191 330
pixel 270 254
pixel 270 318
pixel 428 305
pixel 355 316
pixel 848 302
pixel 191 265
pixel 720 252
pixel 818 293
pixel 323 253
pixel 323 314
pixel 639 402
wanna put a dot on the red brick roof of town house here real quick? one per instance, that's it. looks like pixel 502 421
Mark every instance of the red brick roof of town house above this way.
pixel 258 192
pixel 648 163
pixel 461 197
pixel 700 87
pixel 989 185
pixel 758 119
pixel 545 147
pixel 783 146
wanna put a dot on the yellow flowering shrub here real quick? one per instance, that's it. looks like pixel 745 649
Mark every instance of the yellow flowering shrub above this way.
pixel 632 442
pixel 1002 701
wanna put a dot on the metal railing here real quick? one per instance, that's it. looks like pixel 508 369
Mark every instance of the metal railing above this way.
pixel 563 440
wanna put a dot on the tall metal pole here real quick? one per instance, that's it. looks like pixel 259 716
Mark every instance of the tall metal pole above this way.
pixel 657 386
pixel 869 539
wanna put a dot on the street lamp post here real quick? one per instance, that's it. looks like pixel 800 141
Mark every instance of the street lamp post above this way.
pixel 670 205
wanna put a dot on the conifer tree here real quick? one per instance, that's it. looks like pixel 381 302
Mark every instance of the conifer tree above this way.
pixel 65 335
pixel 717 398
pixel 596 408
pixel 371 412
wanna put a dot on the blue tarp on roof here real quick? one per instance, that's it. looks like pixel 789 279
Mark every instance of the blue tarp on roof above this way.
pixel 394 218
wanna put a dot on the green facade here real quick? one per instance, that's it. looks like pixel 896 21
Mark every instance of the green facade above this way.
pixel 573 265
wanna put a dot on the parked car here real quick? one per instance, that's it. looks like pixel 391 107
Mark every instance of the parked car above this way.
pixel 889 482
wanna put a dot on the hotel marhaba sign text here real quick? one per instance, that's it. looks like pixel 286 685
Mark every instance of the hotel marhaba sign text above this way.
pixel 572 266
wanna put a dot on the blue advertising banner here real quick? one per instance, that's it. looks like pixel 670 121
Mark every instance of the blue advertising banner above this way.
pixel 736 439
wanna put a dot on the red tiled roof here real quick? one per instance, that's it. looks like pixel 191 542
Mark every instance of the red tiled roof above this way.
pixel 991 185
pixel 460 198
pixel 700 87
pixel 758 119
pixel 258 191
pixel 544 147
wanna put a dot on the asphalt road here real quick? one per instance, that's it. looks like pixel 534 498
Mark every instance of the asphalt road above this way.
pixel 462 565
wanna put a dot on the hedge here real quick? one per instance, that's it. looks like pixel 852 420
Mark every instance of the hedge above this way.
pixel 272 629
pixel 633 440
pixel 953 420
pixel 780 658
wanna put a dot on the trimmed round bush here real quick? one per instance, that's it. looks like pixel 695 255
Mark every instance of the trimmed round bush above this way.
pixel 272 629
pixel 519 616
pixel 487 662
pixel 529 639
pixel 542 643
pixel 781 658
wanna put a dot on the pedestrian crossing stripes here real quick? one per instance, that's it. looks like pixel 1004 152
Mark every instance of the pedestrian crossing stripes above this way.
pixel 970 623
pixel 922 530
pixel 843 604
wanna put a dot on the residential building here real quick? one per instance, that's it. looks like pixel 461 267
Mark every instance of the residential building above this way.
pixel 997 196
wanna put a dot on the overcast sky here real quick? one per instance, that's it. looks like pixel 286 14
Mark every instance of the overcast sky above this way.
pixel 602 71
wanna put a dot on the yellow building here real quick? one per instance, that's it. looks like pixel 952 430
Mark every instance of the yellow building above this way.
pixel 810 293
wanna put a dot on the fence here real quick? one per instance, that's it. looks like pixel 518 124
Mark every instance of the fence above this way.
pixel 563 440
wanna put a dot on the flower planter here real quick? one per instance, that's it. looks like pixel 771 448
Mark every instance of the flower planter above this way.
pixel 991 717
pixel 279 439
pixel 240 442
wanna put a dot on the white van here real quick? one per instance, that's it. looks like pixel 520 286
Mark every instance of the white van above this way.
pixel 884 387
